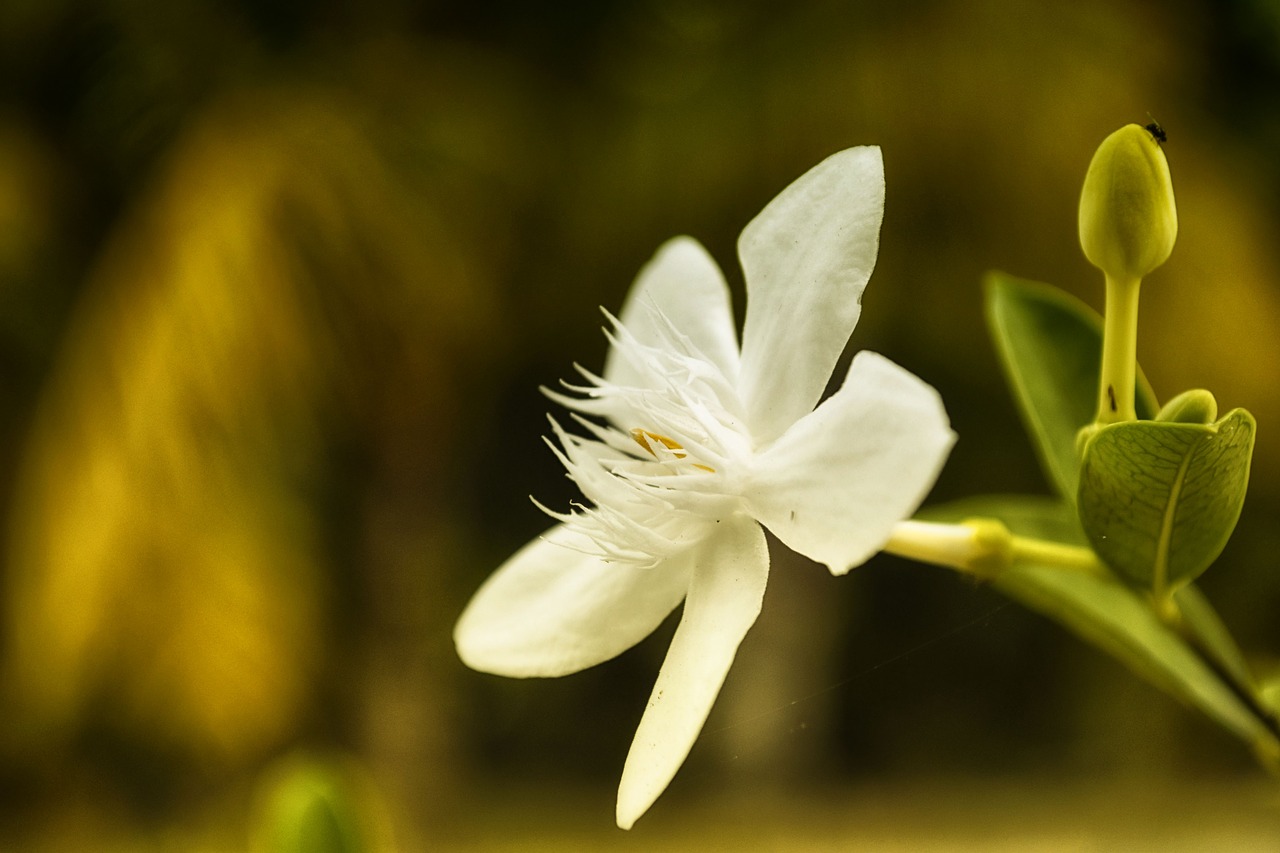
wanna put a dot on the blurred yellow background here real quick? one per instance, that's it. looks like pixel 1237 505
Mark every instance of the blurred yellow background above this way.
pixel 279 283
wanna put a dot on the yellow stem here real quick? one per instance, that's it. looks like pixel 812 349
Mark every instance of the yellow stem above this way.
pixel 1119 352
pixel 985 548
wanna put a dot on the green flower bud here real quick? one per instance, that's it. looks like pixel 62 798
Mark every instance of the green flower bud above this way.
pixel 1128 221
pixel 1190 407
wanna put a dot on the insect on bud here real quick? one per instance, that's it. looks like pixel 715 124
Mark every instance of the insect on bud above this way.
pixel 1128 220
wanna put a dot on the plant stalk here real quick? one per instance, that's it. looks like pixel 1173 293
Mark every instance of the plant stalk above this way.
pixel 1119 352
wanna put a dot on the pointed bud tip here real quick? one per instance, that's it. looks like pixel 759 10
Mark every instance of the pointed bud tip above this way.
pixel 1128 219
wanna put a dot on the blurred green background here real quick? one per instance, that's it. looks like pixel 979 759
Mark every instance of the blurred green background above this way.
pixel 279 282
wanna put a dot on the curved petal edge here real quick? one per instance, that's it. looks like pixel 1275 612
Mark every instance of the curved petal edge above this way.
pixel 550 610
pixel 833 486
pixel 686 288
pixel 725 595
pixel 807 258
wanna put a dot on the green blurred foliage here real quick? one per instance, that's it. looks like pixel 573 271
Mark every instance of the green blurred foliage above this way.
pixel 279 282
pixel 318 804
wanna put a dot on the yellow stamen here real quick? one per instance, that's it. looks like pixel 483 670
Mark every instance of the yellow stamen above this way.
pixel 642 437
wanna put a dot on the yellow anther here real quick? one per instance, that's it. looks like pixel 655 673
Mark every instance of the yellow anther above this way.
pixel 644 436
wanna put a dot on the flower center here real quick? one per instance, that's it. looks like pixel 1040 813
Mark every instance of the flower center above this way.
pixel 643 437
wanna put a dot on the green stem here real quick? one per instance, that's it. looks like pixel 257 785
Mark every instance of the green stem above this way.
pixel 984 548
pixel 1072 557
pixel 1119 352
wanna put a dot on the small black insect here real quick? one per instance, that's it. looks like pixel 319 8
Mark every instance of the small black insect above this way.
pixel 1111 396
pixel 1157 131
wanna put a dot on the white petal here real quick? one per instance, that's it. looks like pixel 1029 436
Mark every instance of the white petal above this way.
pixel 729 577
pixel 550 610
pixel 685 286
pixel 807 258
pixel 833 486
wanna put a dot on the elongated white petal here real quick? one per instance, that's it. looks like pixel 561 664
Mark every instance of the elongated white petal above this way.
pixel 684 285
pixel 807 258
pixel 729 575
pixel 551 610
pixel 833 486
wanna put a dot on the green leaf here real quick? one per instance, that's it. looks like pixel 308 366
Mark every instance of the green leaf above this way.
pixel 1108 614
pixel 1040 516
pixel 1158 500
pixel 1050 346
pixel 1204 621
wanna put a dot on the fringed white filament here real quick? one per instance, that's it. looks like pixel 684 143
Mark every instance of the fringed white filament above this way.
pixel 649 502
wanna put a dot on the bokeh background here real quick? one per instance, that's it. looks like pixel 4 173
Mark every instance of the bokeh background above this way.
pixel 279 282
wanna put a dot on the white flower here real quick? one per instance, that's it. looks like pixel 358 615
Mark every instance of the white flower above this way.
pixel 695 444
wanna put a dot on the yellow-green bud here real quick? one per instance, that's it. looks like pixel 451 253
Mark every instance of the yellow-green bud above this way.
pixel 1197 406
pixel 1128 220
